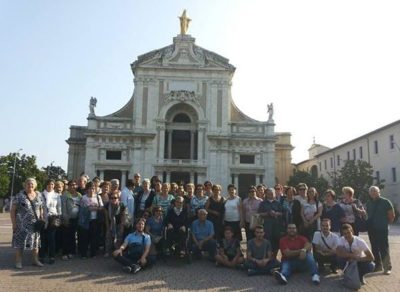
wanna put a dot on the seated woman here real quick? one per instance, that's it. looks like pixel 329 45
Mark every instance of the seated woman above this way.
pixel 354 248
pixel 155 228
pixel 134 252
pixel 176 223
pixel 228 250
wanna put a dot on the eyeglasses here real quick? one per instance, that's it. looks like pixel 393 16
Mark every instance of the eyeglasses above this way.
pixel 113 198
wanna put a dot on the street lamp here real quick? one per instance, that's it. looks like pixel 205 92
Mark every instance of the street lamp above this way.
pixel 12 181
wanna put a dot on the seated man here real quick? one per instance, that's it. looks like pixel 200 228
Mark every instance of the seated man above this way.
pixel 176 222
pixel 296 255
pixel 354 248
pixel 325 243
pixel 260 259
pixel 228 253
pixel 202 235
pixel 133 253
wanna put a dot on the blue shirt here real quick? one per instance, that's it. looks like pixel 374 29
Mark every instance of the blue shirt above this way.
pixel 202 230
pixel 136 237
pixel 156 228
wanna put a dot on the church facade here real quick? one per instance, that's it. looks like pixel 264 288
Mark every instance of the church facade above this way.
pixel 182 125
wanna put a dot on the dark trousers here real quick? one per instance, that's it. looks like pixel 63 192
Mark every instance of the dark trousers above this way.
pixel 89 237
pixel 380 247
pixel 69 237
pixel 322 259
pixel 48 242
pixel 209 246
pixel 272 264
pixel 235 225
pixel 127 260
pixel 176 236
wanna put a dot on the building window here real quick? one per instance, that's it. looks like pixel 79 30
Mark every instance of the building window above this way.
pixel 361 152
pixel 338 160
pixel 247 159
pixel 354 154
pixel 325 164
pixel 394 176
pixel 376 150
pixel 391 141
pixel 331 162
pixel 113 155
pixel 377 177
pixel 348 155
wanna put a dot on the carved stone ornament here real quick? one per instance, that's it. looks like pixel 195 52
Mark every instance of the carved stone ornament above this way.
pixel 182 96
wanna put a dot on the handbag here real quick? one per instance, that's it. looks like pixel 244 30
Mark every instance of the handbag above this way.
pixel 360 222
pixel 54 221
pixel 39 223
pixel 351 278
pixel 255 220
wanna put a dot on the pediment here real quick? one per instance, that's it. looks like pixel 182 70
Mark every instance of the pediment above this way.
pixel 183 53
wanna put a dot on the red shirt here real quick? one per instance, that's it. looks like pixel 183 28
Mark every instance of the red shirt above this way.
pixel 295 243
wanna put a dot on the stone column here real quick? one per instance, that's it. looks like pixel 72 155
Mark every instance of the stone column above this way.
pixel 236 180
pixel 191 145
pixel 123 178
pixel 192 177
pixel 168 177
pixel 200 147
pixel 101 174
pixel 169 144
pixel 162 143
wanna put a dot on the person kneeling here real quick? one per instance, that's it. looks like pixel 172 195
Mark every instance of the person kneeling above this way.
pixel 260 259
pixel 133 253
pixel 228 252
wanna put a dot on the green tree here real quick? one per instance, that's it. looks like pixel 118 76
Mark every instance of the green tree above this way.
pixel 356 174
pixel 54 172
pixel 4 181
pixel 25 167
pixel 299 176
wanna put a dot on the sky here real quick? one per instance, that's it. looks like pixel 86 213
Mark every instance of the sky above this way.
pixel 331 68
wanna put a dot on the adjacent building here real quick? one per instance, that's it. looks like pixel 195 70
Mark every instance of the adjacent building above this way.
pixel 380 148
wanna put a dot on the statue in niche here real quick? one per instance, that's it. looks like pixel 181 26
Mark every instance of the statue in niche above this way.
pixel 270 111
pixel 92 105
pixel 184 22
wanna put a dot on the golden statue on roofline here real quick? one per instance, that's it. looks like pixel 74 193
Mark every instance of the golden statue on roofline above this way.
pixel 184 22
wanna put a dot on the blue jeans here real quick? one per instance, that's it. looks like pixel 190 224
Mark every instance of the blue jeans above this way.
pixel 291 265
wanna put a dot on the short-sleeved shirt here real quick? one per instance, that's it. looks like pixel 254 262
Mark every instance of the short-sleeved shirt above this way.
pixel 358 246
pixel 202 230
pixel 295 243
pixel 259 252
pixel 164 203
pixel 251 207
pixel 331 240
pixel 94 201
pixel 335 214
pixel 230 247
pixel 136 237
pixel 156 227
pixel 377 211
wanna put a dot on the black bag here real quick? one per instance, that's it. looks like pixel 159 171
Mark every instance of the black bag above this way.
pixel 360 223
pixel 39 223
pixel 54 221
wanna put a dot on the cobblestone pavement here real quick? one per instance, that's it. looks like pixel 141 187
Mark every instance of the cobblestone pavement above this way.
pixel 101 274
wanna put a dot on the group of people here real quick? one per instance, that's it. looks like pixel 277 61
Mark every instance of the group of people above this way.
pixel 147 220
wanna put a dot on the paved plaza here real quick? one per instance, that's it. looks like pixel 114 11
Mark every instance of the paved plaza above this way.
pixel 101 274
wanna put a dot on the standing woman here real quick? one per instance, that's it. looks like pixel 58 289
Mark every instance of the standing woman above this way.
pixel 144 199
pixel 52 209
pixel 197 202
pixel 233 211
pixel 25 205
pixel 352 208
pixel 163 199
pixel 91 203
pixel 216 209
pixel 250 208
pixel 333 211
pixel 311 213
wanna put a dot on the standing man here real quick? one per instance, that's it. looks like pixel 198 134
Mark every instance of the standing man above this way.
pixel 296 255
pixel 128 200
pixel 380 213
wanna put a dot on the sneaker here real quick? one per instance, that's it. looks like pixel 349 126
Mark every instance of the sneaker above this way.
pixel 127 269
pixel 136 268
pixel 362 281
pixel 18 266
pixel 315 279
pixel 280 278
pixel 251 272
pixel 387 272
pixel 64 258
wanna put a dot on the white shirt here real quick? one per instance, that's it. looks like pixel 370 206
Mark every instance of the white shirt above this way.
pixel 358 247
pixel 232 209
pixel 129 201
pixel 53 203
pixel 332 240
pixel 94 201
